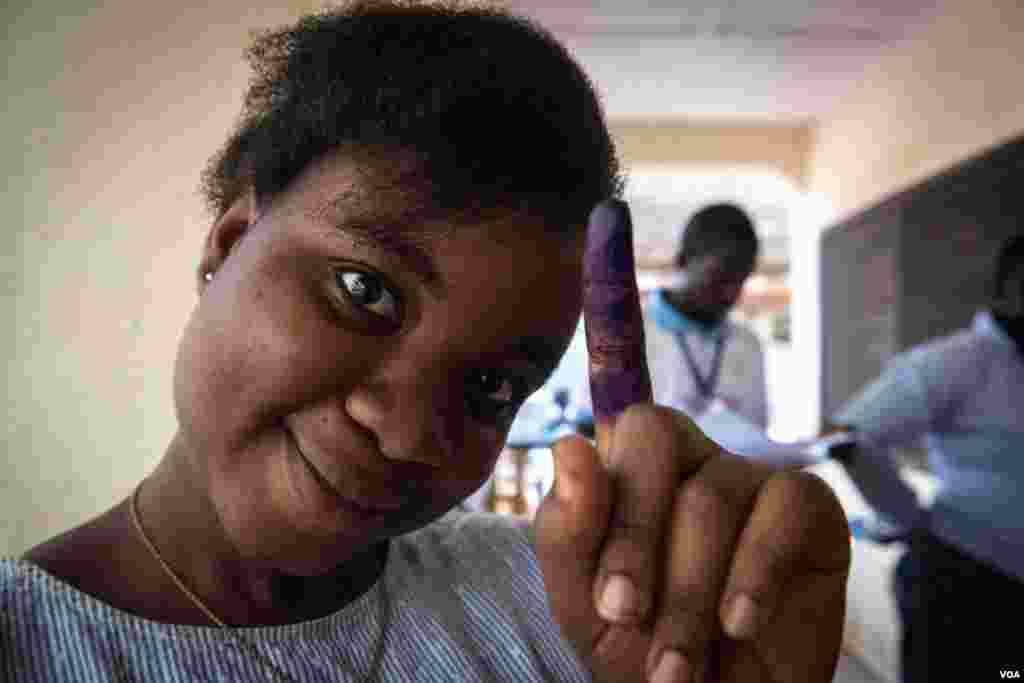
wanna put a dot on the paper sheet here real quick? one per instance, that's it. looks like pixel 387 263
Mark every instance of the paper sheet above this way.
pixel 737 435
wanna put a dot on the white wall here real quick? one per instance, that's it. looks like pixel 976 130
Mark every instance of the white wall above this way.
pixel 947 92
pixel 950 90
pixel 111 111
pixel 814 213
pixel 770 147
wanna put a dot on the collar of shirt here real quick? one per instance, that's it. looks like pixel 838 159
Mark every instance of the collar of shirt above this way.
pixel 668 318
pixel 985 324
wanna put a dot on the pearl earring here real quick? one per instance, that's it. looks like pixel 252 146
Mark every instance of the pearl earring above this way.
pixel 208 276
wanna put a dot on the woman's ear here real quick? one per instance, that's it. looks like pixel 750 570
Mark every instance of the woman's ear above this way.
pixel 224 234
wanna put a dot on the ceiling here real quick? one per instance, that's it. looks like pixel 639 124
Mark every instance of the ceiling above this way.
pixel 661 203
pixel 743 61
pixel 780 61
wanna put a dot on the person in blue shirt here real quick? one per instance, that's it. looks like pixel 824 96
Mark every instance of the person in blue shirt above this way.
pixel 964 566
pixel 697 356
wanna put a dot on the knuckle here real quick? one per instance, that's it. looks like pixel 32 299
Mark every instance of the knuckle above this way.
pixel 824 533
pixel 648 425
pixel 705 499
pixel 648 428
pixel 770 559
pixel 810 495
pixel 699 447
pixel 649 416
pixel 663 430
pixel 631 539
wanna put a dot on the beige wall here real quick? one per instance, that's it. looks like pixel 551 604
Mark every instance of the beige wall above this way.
pixel 704 144
pixel 110 114
pixel 949 91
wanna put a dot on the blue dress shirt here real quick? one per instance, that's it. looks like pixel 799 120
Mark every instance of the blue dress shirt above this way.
pixel 964 396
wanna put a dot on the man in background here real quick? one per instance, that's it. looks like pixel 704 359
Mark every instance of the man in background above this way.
pixel 964 565
pixel 698 358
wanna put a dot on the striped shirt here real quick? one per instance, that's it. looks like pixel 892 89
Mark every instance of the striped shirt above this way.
pixel 964 394
pixel 460 600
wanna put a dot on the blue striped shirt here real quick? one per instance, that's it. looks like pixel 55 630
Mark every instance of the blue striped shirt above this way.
pixel 964 394
pixel 460 600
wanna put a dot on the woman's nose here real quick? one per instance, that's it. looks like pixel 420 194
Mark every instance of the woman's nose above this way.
pixel 409 421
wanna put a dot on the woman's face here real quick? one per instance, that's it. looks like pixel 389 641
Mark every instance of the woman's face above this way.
pixel 348 376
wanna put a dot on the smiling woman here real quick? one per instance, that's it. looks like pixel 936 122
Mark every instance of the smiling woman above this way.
pixel 387 358
pixel 395 263
pixel 352 367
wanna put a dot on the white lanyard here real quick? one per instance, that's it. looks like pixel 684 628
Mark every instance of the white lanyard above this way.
pixel 705 384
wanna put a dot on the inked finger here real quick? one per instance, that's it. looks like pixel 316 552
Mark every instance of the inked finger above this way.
pixel 613 319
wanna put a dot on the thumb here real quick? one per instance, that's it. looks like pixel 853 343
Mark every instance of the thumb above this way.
pixel 569 530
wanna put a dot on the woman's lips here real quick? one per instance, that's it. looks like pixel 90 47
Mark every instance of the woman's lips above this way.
pixel 366 504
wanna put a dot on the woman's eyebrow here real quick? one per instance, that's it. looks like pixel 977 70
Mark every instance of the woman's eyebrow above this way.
pixel 399 241
pixel 397 238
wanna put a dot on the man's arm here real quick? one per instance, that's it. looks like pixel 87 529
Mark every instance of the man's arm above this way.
pixel 842 451
pixel 897 408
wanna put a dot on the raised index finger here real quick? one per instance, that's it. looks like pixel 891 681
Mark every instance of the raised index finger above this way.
pixel 612 319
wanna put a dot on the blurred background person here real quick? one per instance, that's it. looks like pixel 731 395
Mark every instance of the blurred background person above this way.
pixel 697 356
pixel 964 394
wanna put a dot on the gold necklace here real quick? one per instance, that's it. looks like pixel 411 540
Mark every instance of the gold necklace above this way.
pixel 279 674
pixel 166 567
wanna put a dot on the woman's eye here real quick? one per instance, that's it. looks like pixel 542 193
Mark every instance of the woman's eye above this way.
pixel 494 396
pixel 367 291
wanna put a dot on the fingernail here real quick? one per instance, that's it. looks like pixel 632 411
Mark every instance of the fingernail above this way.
pixel 672 668
pixel 741 618
pixel 619 599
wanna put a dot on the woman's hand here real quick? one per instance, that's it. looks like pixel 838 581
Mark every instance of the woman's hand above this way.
pixel 664 557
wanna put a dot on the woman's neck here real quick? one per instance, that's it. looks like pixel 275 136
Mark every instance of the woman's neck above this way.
pixel 182 523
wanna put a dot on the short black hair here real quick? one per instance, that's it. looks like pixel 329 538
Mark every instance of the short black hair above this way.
pixel 724 229
pixel 494 111
pixel 1010 257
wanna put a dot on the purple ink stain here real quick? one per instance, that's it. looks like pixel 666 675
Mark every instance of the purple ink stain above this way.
pixel 612 316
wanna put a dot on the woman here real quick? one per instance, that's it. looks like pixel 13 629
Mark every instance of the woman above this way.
pixel 404 178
